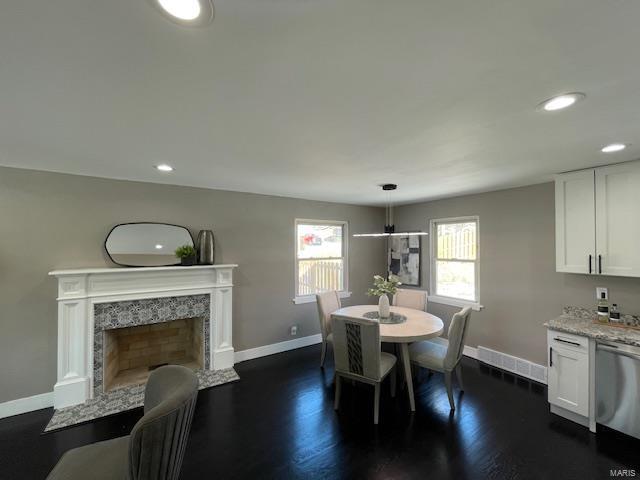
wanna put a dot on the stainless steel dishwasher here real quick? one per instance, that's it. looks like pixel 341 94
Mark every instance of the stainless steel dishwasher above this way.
pixel 618 387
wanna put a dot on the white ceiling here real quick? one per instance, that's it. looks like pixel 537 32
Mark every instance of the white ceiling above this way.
pixel 320 99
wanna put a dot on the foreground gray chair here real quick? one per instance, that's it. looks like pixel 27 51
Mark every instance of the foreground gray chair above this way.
pixel 155 448
pixel 357 355
pixel 327 302
pixel 444 355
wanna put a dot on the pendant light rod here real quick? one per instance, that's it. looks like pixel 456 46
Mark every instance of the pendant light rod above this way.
pixel 389 227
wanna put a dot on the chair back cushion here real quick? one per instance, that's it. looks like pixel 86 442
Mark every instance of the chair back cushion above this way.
pixel 457 337
pixel 158 441
pixel 416 299
pixel 328 302
pixel 356 346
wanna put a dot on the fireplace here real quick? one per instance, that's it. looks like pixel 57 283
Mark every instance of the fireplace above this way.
pixel 133 336
pixel 115 324
pixel 131 353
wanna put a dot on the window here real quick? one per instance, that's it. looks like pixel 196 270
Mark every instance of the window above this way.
pixel 454 261
pixel 321 258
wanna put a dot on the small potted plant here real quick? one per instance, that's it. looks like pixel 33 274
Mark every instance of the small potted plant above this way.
pixel 382 288
pixel 187 255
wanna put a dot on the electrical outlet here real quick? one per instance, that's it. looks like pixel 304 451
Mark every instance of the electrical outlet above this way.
pixel 600 291
pixel 294 330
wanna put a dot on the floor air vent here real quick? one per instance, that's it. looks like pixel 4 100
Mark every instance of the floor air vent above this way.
pixel 513 364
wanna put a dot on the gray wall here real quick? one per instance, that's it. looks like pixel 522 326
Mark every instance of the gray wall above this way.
pixel 519 287
pixel 53 221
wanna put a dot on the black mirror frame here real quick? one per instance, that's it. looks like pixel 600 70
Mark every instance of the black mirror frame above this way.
pixel 140 223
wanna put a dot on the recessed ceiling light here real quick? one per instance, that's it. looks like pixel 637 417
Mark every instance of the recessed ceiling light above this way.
pixel 186 12
pixel 561 101
pixel 613 147
pixel 163 167
pixel 182 9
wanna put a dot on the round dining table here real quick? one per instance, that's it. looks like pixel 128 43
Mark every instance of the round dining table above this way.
pixel 419 325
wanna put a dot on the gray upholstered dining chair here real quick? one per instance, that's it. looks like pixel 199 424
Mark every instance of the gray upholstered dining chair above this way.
pixel 444 355
pixel 327 302
pixel 155 448
pixel 357 355
pixel 416 299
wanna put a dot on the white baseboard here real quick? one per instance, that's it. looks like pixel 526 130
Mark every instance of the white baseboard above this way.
pixel 45 400
pixel 265 350
pixel 507 362
pixel 502 360
pixel 27 404
pixel 470 352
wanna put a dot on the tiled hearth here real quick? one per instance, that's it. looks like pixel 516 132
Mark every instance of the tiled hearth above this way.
pixel 126 398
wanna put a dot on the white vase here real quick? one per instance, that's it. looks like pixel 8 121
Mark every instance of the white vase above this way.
pixel 383 306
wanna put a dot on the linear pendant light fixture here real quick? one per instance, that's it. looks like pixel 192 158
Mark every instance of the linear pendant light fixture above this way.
pixel 389 227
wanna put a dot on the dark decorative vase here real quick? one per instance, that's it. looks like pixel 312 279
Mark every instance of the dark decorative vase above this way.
pixel 205 248
pixel 188 261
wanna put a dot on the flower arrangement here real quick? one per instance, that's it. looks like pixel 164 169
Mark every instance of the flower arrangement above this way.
pixel 384 287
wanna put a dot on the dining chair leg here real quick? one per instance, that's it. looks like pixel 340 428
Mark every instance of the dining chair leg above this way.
pixel 447 382
pixel 376 403
pixel 459 376
pixel 392 380
pixel 336 402
pixel 323 353
pixel 399 371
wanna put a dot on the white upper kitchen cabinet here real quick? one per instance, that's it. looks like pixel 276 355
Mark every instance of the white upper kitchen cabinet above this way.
pixel 575 222
pixel 598 221
pixel 618 219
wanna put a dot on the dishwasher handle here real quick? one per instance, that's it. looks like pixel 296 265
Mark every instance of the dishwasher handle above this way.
pixel 607 348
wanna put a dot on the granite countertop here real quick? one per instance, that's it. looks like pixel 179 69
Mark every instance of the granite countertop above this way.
pixel 579 321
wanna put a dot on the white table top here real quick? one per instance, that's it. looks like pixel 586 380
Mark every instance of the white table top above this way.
pixel 419 325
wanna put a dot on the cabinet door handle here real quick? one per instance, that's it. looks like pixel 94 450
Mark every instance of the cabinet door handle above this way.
pixel 551 356
pixel 566 341
pixel 600 263
pixel 589 263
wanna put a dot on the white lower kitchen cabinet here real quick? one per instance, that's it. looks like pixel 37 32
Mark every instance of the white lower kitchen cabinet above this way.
pixel 570 368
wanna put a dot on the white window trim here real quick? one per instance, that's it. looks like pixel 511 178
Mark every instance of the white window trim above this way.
pixel 302 299
pixel 433 239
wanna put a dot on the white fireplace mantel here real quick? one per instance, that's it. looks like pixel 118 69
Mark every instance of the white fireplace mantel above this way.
pixel 80 289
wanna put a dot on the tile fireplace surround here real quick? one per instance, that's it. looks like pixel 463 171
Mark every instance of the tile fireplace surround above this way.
pixel 93 300
pixel 114 315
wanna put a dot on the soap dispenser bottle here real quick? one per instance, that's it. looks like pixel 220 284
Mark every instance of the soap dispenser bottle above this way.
pixel 603 308
pixel 614 313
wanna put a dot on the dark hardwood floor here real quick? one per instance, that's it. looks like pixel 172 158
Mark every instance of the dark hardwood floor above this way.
pixel 278 422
